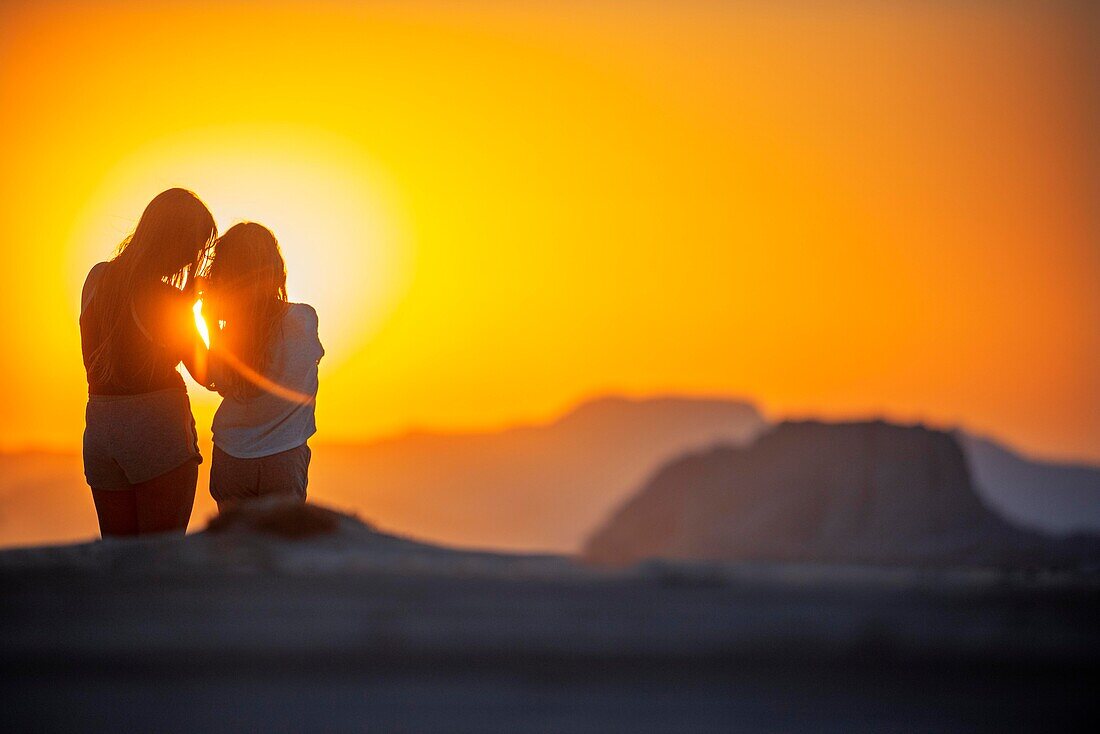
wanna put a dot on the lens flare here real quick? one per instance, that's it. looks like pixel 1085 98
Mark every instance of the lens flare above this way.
pixel 200 323
pixel 264 383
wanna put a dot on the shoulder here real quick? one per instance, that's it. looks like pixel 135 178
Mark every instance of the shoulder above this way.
pixel 302 313
pixel 90 283
pixel 303 317
pixel 95 274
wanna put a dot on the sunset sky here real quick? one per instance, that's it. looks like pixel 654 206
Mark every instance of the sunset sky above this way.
pixel 500 209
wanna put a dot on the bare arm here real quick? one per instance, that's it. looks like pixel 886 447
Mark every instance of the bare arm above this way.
pixel 166 316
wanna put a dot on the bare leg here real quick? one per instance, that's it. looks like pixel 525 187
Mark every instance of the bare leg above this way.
pixel 164 503
pixel 117 511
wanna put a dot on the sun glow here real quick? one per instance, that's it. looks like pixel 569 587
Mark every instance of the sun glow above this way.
pixel 200 323
pixel 498 209
pixel 337 220
pixel 334 216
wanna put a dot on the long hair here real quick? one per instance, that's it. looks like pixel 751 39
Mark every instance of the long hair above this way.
pixel 169 244
pixel 247 297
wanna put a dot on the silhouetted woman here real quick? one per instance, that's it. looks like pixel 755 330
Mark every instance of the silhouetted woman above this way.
pixel 263 361
pixel 141 452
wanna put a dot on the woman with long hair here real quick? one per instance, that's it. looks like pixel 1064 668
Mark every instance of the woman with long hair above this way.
pixel 141 451
pixel 263 361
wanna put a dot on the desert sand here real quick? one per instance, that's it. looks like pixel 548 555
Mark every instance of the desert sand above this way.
pixel 291 619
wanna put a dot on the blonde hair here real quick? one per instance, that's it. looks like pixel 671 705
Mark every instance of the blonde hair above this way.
pixel 169 244
pixel 247 297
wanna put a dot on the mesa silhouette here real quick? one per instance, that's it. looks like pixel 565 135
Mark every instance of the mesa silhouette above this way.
pixel 852 493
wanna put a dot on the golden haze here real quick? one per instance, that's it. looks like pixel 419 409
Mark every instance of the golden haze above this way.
pixel 499 209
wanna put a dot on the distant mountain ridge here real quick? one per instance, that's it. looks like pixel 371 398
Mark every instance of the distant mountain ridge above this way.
pixel 864 493
pixel 537 487
pixel 543 487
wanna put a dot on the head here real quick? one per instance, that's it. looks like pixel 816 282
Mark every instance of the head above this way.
pixel 171 239
pixel 169 244
pixel 246 295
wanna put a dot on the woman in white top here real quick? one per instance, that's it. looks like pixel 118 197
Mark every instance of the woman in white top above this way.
pixel 263 362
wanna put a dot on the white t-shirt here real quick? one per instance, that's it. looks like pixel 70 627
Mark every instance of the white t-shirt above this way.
pixel 268 422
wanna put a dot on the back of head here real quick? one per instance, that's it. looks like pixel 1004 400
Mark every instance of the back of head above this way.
pixel 169 245
pixel 247 296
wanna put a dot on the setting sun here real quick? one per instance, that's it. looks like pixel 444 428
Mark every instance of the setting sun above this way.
pixel 589 365
pixel 499 211
pixel 200 324
pixel 336 218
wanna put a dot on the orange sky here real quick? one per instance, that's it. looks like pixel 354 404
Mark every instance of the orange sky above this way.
pixel 499 209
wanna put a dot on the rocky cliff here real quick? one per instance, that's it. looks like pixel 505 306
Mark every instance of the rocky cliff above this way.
pixel 869 493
